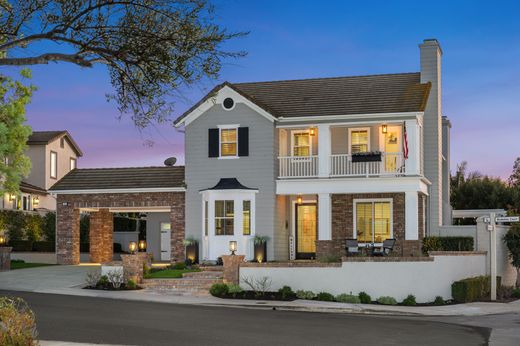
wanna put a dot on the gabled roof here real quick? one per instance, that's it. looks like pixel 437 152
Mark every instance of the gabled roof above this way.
pixel 45 137
pixel 372 94
pixel 132 178
pixel 29 188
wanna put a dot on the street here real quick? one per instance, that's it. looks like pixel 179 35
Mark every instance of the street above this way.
pixel 110 321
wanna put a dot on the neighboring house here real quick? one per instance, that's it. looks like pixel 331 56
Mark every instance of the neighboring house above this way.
pixel 309 163
pixel 53 154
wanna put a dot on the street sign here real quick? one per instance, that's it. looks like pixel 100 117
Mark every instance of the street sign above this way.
pixel 507 219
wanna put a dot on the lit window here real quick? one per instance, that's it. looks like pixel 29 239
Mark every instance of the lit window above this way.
pixel 246 217
pixel 206 218
pixel 373 221
pixel 359 141
pixel 224 217
pixel 54 165
pixel 228 142
pixel 72 163
pixel 301 144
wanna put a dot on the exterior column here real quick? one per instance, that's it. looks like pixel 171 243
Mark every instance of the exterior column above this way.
pixel 101 236
pixel 411 215
pixel 324 217
pixel 324 150
pixel 177 228
pixel 67 233
pixel 414 148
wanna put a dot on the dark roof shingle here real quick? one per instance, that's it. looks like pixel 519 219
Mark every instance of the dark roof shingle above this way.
pixel 121 178
pixel 45 137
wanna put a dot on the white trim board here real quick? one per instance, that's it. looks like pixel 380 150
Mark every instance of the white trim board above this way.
pixel 133 190
pixel 350 116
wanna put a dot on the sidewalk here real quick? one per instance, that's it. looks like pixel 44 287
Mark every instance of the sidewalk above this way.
pixel 69 280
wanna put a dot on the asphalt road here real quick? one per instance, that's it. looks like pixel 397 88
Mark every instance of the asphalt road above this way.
pixel 99 320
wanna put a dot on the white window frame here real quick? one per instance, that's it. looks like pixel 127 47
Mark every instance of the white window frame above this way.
pixel 373 200
pixel 215 218
pixel 53 166
pixel 293 132
pixel 227 127
pixel 350 130
pixel 73 159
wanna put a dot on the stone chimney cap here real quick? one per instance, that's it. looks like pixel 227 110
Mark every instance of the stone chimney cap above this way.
pixel 432 42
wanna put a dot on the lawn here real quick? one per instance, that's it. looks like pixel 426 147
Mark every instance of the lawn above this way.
pixel 22 265
pixel 169 273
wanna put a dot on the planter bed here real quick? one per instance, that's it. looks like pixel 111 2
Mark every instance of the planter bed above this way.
pixel 110 288
pixel 250 295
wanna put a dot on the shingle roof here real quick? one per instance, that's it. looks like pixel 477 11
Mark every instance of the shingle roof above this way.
pixel 229 184
pixel 45 137
pixel 386 93
pixel 121 178
pixel 26 187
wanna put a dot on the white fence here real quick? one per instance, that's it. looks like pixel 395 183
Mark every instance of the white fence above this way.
pixel 298 166
pixel 424 279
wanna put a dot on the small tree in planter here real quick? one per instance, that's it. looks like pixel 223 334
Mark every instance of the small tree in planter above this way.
pixel 260 243
pixel 192 250
pixel 512 240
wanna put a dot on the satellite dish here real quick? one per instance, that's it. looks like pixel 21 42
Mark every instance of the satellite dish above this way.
pixel 170 161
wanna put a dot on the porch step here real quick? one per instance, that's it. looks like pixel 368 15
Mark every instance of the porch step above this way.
pixel 204 275
pixel 211 268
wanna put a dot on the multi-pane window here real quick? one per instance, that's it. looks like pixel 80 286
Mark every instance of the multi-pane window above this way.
pixel 246 217
pixel 54 164
pixel 373 221
pixel 224 217
pixel 359 141
pixel 72 163
pixel 228 142
pixel 301 144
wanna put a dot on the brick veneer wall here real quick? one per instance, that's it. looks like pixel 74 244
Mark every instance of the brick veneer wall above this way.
pixel 67 232
pixel 101 236
pixel 342 210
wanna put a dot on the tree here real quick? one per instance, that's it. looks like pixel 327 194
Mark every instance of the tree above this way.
pixel 512 240
pixel 150 47
pixel 14 164
pixel 514 178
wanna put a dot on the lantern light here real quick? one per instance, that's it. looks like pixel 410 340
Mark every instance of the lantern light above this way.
pixel 132 246
pixel 384 129
pixel 11 197
pixel 2 240
pixel 36 201
pixel 312 131
pixel 233 247
pixel 142 245
pixel 299 199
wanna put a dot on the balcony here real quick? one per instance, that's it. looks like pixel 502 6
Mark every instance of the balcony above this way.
pixel 342 165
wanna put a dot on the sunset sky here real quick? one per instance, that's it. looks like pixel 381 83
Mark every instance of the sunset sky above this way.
pixel 298 39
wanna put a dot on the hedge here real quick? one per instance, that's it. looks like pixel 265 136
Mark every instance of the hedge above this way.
pixel 21 245
pixel 85 247
pixel 472 289
pixel 44 246
pixel 447 244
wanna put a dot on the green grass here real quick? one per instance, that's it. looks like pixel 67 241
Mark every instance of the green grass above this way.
pixel 169 273
pixel 23 265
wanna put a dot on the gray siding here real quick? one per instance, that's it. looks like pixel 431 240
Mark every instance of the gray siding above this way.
pixel 257 170
pixel 153 232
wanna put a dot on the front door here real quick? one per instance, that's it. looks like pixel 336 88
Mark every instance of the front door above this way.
pixel 306 230
pixel 166 242
pixel 392 149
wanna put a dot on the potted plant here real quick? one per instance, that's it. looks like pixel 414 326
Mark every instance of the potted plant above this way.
pixel 192 250
pixel 260 253
pixel 370 156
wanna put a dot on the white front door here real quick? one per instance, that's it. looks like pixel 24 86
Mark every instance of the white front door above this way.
pixel 166 245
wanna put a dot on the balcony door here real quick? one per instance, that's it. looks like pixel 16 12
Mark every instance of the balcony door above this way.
pixel 392 147
pixel 305 230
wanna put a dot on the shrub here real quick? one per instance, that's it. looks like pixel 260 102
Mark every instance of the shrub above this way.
pixel 439 301
pixel 115 277
pixel 92 278
pixel 18 325
pixel 386 300
pixel 234 289
pixel 14 223
pixel 103 281
pixel 219 290
pixel 409 300
pixel 131 285
pixel 447 244
pixel 21 245
pixel 309 295
pixel 512 241
pixel 325 297
pixel 348 298
pixel 179 266
pixel 286 292
pixel 472 289
pixel 515 293
pixel 44 246
pixel 364 298
pixel 259 285
pixel 33 227
pixel 49 227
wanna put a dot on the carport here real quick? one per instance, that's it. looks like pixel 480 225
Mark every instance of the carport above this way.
pixel 105 191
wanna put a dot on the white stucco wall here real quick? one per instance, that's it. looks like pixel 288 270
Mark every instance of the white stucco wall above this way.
pixel 425 280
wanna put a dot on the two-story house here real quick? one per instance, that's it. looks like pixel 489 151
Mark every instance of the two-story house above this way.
pixel 310 163
pixel 53 154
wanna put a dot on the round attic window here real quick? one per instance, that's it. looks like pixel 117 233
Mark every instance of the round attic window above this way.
pixel 228 103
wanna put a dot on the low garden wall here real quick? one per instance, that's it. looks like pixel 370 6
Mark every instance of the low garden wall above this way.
pixel 424 277
pixel 43 257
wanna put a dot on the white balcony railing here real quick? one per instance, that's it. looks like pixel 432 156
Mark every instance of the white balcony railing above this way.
pixel 341 166
pixel 298 166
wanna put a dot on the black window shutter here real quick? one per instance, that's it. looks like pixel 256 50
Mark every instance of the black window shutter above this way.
pixel 213 143
pixel 243 141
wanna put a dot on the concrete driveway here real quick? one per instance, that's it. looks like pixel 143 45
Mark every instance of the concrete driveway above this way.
pixel 44 279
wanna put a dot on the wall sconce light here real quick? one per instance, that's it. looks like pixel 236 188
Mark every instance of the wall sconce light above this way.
pixel 312 131
pixel 233 247
pixel 132 246
pixel 11 197
pixel 142 245
pixel 2 240
pixel 384 129
pixel 36 202
pixel 299 199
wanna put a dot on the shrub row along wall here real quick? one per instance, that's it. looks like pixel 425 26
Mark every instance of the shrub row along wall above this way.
pixel 48 246
pixel 32 226
pixel 425 279
pixel 447 244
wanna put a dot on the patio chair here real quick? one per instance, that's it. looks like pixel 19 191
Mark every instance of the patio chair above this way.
pixel 385 250
pixel 352 247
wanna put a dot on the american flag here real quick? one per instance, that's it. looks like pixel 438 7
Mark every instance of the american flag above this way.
pixel 405 142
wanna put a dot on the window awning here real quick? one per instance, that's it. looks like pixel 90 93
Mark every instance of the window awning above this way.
pixel 229 184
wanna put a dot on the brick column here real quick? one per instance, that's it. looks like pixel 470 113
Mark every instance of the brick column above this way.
pixel 101 236
pixel 177 228
pixel 67 233
pixel 232 268
pixel 133 267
